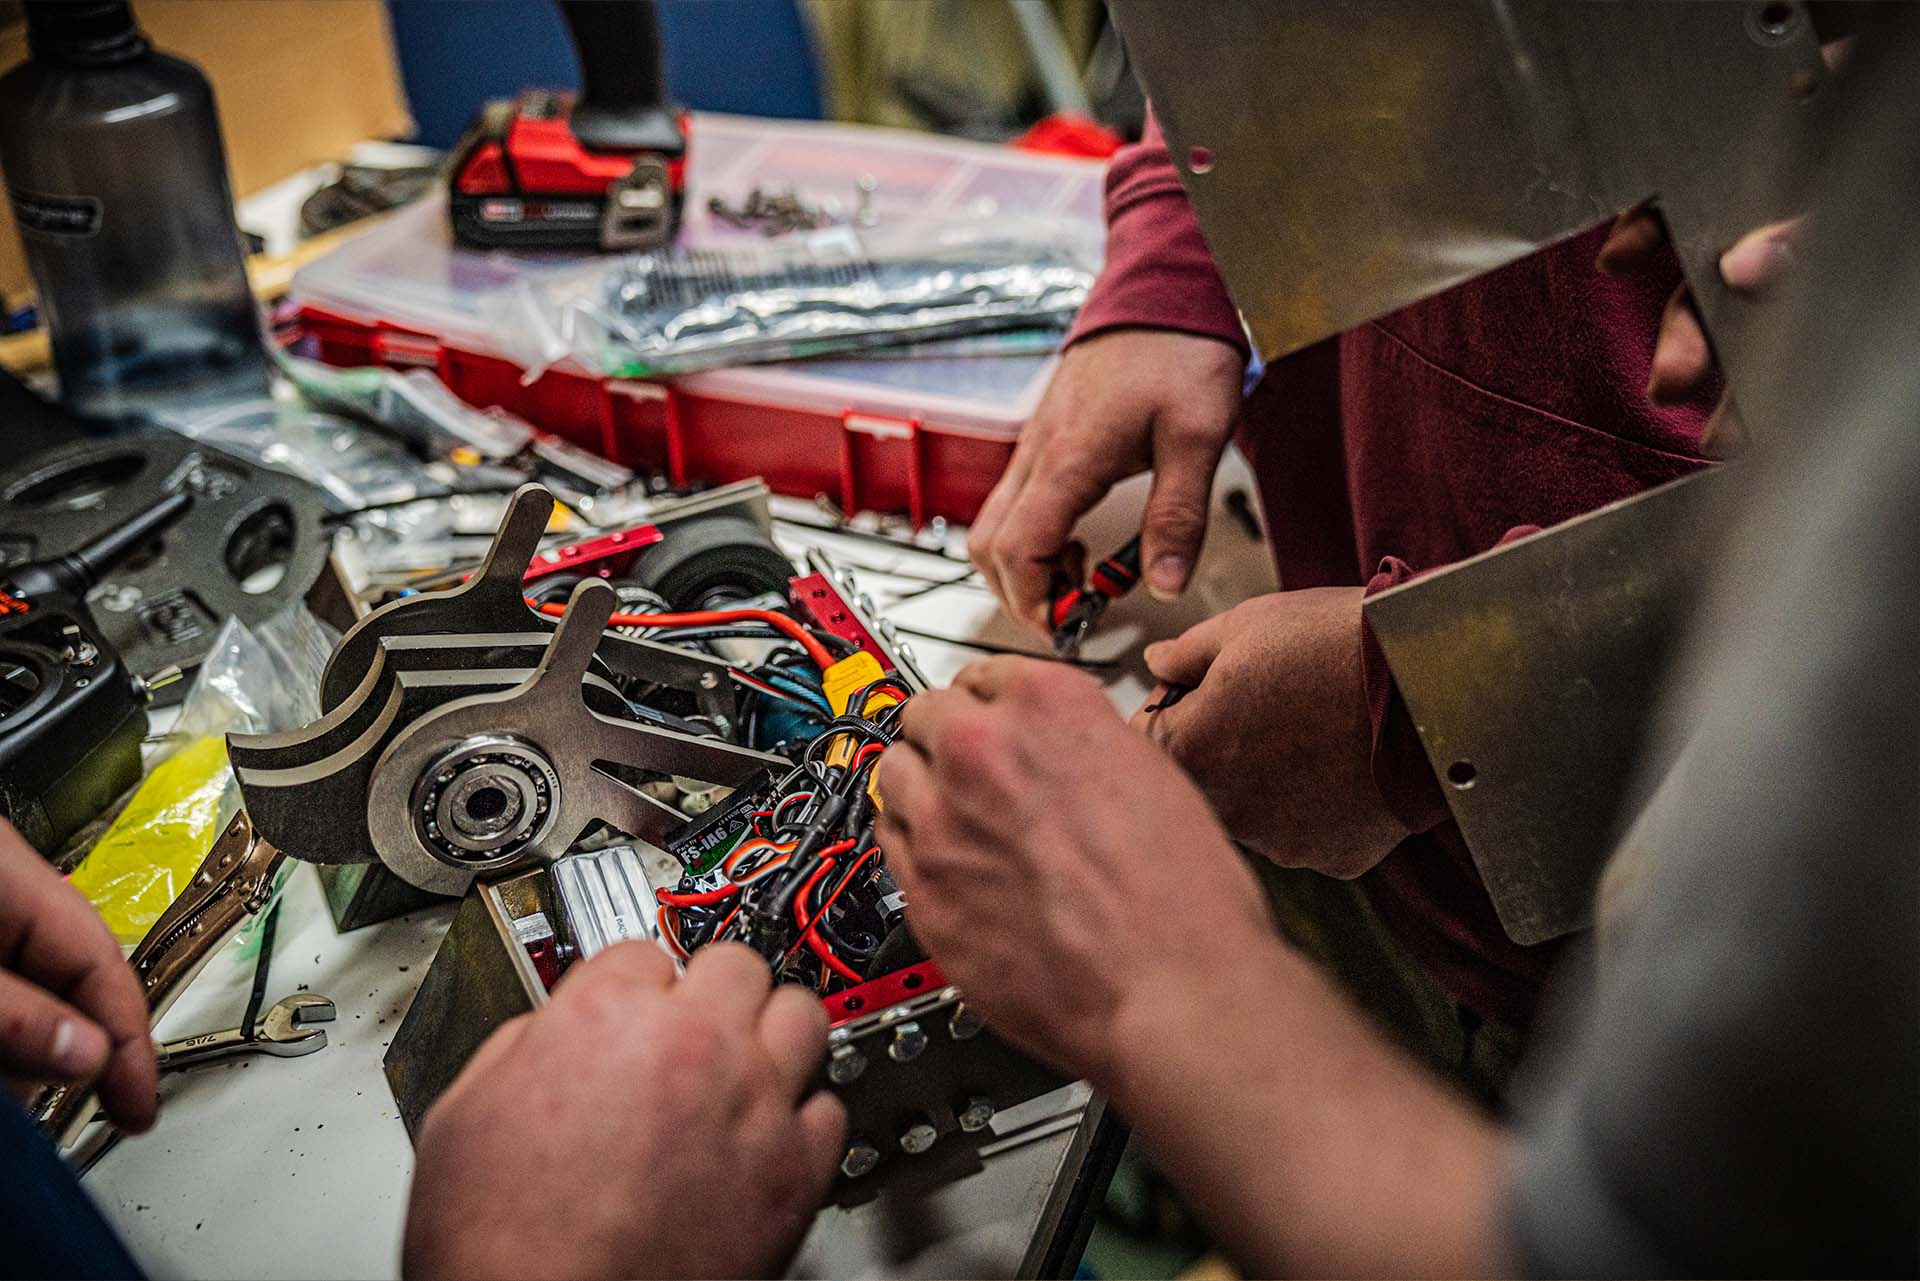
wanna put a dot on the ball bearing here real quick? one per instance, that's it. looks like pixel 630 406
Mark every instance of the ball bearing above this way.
pixel 483 801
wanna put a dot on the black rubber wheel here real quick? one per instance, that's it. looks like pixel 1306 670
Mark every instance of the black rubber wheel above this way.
pixel 709 561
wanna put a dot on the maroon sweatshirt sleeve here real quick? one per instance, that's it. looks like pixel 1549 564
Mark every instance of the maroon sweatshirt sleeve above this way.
pixel 1401 769
pixel 1159 273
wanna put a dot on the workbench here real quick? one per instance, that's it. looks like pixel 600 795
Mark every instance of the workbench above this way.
pixel 299 1167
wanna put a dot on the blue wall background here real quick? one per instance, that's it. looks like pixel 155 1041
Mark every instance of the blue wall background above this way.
pixel 745 56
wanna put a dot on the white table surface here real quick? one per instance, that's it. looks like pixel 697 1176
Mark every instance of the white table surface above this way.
pixel 264 1167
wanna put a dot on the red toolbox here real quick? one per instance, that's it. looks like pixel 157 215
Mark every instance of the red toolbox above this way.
pixel 925 433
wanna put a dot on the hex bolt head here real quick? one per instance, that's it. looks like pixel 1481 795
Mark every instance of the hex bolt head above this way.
pixel 909 1041
pixel 917 1138
pixel 846 1065
pixel 860 1159
pixel 977 1115
pixel 963 1023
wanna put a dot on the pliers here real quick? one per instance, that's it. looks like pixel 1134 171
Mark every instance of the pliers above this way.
pixel 1075 610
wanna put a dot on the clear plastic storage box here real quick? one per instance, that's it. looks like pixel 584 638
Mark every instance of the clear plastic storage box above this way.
pixel 923 431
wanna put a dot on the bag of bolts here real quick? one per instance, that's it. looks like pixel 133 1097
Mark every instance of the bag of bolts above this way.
pixel 836 290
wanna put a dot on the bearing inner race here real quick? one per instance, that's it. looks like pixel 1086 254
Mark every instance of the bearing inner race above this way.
pixel 484 800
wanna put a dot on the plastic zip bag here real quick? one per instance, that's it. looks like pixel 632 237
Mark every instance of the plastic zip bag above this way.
pixel 839 290
pixel 253 681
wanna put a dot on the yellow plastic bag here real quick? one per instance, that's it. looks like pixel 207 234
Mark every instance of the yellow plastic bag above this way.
pixel 137 869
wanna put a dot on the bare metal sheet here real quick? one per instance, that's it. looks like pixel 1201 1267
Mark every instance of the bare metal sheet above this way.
pixel 1529 672
pixel 1349 157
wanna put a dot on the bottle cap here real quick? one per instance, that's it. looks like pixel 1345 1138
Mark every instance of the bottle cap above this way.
pixel 83 33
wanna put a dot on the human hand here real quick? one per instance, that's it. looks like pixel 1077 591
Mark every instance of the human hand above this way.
pixel 71 1009
pixel 637 1125
pixel 1120 403
pixel 1058 865
pixel 1275 729
pixel 1682 360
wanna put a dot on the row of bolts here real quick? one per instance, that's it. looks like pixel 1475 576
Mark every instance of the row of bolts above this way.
pixel 846 1063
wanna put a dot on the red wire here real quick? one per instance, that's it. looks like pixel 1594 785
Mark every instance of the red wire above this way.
pixel 865 754
pixel 806 891
pixel 811 937
pixel 705 898
pixel 827 958
pixel 705 617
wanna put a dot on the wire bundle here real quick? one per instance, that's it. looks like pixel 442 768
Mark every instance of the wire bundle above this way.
pixel 805 885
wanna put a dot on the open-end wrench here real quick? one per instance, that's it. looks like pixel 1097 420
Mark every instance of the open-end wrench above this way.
pixel 284 1031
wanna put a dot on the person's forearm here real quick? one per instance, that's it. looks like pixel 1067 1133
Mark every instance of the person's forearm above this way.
pixel 1307 1144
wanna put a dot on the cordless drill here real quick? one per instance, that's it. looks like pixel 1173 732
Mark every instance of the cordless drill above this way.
pixel 604 169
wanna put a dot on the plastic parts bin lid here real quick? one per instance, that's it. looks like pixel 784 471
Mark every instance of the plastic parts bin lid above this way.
pixel 408 274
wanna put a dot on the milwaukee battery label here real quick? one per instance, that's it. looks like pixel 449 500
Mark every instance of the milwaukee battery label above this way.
pixel 55 215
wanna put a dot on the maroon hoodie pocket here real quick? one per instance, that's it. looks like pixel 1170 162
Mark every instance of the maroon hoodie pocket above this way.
pixel 1439 468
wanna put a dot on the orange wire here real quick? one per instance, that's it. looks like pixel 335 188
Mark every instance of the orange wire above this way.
pixel 705 617
pixel 670 931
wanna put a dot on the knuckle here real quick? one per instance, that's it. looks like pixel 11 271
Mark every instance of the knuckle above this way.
pixel 800 1010
pixel 974 749
pixel 1054 685
pixel 695 1048
pixel 1180 516
pixel 1189 431
pixel 1070 462
pixel 625 964
pixel 16 1028
pixel 734 964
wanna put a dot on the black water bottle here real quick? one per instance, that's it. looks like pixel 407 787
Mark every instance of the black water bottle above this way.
pixel 113 165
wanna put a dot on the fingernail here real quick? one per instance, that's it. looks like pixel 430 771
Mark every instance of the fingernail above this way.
pixel 1167 575
pixel 1756 261
pixel 77 1047
pixel 1152 650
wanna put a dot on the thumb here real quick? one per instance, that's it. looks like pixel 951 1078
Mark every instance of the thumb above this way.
pixel 44 1039
pixel 1185 456
pixel 1184 660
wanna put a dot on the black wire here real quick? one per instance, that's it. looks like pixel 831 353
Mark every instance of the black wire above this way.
pixel 261 965
pixel 988 647
pixel 841 559
pixel 843 531
pixel 741 631
pixel 839 644
pixel 889 684
pixel 867 729
pixel 958 580
pixel 825 926
pixel 796 667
